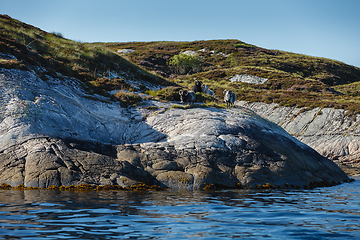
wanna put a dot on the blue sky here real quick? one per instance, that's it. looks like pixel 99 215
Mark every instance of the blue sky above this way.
pixel 323 28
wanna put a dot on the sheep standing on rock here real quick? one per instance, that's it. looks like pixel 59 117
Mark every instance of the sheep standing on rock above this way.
pixel 229 98
pixel 197 87
pixel 206 90
pixel 187 96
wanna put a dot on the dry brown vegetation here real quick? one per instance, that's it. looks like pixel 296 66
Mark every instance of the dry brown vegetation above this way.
pixel 294 79
pixel 89 62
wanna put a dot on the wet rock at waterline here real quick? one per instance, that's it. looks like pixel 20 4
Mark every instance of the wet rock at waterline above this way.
pixel 53 133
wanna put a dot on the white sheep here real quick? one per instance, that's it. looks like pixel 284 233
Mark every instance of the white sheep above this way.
pixel 229 98
pixel 206 90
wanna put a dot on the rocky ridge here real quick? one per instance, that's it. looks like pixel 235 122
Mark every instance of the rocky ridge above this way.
pixel 331 132
pixel 54 133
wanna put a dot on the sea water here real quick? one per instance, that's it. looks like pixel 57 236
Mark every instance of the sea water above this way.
pixel 321 213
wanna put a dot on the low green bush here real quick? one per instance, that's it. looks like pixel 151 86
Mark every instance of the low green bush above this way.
pixel 128 98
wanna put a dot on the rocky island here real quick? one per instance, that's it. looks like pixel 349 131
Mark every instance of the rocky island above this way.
pixel 109 114
pixel 54 133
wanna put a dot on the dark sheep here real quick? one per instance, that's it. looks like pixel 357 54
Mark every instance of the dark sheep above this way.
pixel 197 87
pixel 229 98
pixel 187 96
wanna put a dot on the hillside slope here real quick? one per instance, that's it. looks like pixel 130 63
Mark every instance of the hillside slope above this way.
pixel 292 79
pixel 25 47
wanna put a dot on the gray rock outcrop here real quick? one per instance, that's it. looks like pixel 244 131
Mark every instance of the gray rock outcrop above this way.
pixel 248 79
pixel 125 51
pixel 53 133
pixel 331 132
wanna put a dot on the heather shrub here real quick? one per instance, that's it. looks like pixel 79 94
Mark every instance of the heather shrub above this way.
pixel 128 98
pixel 168 93
pixel 185 64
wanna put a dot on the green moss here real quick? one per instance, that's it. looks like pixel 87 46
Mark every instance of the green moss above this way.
pixel 176 106
pixel 128 98
pixel 151 107
pixel 170 93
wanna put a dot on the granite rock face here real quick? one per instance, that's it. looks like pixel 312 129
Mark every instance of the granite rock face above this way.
pixel 331 132
pixel 227 147
pixel 248 79
pixel 53 133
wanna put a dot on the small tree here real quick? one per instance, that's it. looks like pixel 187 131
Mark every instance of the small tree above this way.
pixel 184 63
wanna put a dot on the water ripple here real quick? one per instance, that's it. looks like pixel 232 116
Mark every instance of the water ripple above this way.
pixel 325 213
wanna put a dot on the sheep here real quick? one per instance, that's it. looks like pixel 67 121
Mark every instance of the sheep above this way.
pixel 206 90
pixel 229 98
pixel 197 87
pixel 187 96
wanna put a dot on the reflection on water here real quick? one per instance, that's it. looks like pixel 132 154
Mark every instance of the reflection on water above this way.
pixel 325 213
